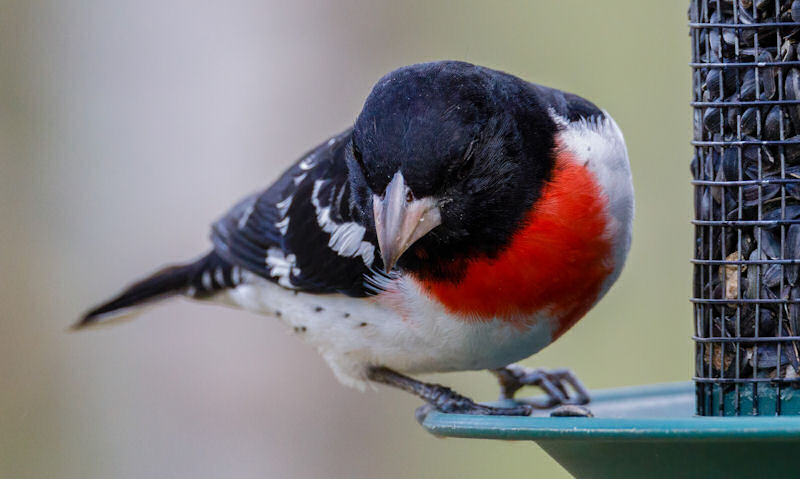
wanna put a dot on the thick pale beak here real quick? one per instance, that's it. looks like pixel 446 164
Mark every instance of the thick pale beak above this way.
pixel 399 222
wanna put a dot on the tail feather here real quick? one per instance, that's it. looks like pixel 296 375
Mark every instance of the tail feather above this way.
pixel 199 278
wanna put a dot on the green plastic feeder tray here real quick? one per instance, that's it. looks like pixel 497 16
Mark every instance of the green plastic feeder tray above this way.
pixel 648 431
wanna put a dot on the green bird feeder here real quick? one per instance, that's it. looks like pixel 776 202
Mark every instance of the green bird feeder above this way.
pixel 647 431
pixel 740 416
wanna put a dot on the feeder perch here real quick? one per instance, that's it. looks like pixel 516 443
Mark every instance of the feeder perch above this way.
pixel 741 413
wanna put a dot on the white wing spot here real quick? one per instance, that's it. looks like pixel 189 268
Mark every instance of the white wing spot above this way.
pixel 246 214
pixel 281 266
pixel 308 162
pixel 283 225
pixel 283 205
pixel 299 178
pixel 219 277
pixel 346 238
pixel 205 280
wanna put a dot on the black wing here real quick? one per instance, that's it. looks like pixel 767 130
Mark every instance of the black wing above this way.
pixel 303 232
pixel 568 105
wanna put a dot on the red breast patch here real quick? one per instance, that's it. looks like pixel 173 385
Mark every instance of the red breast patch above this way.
pixel 555 264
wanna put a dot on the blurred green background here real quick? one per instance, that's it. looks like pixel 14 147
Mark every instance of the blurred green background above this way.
pixel 127 127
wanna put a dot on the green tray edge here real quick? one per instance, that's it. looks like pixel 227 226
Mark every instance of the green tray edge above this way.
pixel 783 428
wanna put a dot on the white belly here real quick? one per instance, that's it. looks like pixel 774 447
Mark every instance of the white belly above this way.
pixel 401 329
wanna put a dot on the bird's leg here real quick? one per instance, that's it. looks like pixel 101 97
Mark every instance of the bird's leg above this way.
pixel 553 382
pixel 440 397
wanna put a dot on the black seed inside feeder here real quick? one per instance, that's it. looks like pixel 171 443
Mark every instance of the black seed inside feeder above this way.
pixel 746 168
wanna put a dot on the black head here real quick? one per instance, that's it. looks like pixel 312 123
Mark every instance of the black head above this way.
pixel 465 148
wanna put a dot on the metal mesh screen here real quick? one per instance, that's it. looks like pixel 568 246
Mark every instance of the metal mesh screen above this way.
pixel 746 169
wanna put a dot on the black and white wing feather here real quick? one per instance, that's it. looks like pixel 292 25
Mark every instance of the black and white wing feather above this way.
pixel 303 231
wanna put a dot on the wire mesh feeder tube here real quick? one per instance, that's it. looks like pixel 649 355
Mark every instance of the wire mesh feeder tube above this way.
pixel 746 170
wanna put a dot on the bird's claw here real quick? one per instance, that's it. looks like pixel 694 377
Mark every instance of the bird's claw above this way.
pixel 453 403
pixel 556 383
pixel 450 402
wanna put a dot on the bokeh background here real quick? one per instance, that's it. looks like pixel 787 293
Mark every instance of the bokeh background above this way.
pixel 127 127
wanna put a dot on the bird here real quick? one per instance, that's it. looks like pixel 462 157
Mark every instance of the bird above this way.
pixel 467 219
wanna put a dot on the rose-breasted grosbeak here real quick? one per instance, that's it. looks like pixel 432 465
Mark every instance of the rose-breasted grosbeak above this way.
pixel 466 221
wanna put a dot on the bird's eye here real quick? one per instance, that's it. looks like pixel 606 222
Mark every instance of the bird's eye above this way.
pixel 409 197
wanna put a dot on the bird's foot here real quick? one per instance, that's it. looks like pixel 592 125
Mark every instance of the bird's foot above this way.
pixel 561 385
pixel 441 398
pixel 448 401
